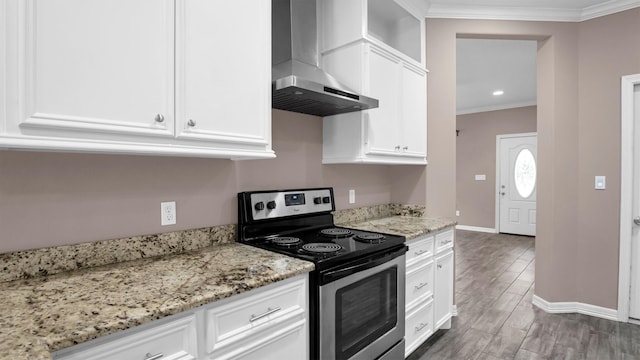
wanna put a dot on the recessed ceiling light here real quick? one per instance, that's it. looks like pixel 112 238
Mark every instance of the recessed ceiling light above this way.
pixel 498 93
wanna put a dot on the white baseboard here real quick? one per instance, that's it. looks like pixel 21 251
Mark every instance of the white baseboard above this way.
pixel 454 310
pixel 575 307
pixel 476 228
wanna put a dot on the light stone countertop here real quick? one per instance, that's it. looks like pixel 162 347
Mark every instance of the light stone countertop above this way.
pixel 40 315
pixel 43 314
pixel 409 226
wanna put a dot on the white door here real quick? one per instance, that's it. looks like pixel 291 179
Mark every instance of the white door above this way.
pixel 634 298
pixel 517 161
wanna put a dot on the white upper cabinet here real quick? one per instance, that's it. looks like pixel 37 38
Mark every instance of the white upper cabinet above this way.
pixel 224 82
pixel 394 25
pixel 96 66
pixel 376 47
pixel 126 76
pixel 393 133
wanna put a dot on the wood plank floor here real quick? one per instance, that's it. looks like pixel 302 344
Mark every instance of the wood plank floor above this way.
pixel 496 320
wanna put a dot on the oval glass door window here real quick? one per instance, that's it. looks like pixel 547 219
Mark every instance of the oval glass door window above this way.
pixel 525 173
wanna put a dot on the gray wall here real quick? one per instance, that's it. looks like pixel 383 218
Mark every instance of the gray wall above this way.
pixel 476 154
pixel 49 199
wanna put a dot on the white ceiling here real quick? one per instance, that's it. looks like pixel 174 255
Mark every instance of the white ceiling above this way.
pixel 484 66
pixel 487 65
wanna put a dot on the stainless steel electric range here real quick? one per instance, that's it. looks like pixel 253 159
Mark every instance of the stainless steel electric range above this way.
pixel 357 290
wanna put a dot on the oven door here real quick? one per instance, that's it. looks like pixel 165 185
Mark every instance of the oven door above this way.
pixel 362 307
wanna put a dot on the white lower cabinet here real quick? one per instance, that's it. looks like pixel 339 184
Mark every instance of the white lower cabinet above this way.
pixel 418 326
pixel 174 339
pixel 270 326
pixel 269 323
pixel 444 287
pixel 429 287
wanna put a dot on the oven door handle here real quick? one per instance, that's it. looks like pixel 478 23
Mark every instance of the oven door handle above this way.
pixel 362 265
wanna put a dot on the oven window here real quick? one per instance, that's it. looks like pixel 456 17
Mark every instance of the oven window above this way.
pixel 365 310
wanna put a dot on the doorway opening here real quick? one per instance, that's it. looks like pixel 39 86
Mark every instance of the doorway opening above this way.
pixel 496 95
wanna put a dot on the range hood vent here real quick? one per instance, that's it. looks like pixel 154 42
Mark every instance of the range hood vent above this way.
pixel 299 84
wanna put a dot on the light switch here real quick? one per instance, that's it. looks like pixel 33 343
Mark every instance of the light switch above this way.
pixel 481 177
pixel 601 182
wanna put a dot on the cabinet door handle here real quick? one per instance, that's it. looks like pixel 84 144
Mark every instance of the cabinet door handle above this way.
pixel 266 313
pixel 191 123
pixel 417 253
pixel 421 326
pixel 405 148
pixel 421 285
pixel 157 356
pixel 439 266
pixel 159 118
pixel 398 148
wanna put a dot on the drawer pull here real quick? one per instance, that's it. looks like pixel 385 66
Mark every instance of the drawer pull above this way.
pixel 157 356
pixel 421 326
pixel 421 285
pixel 266 313
pixel 418 253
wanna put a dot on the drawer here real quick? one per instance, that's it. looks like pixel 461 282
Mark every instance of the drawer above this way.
pixel 175 340
pixel 418 326
pixel 419 283
pixel 256 312
pixel 419 249
pixel 444 240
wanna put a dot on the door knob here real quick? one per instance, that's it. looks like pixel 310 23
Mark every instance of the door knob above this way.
pixel 636 220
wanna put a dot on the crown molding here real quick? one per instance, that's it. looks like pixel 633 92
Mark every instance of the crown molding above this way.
pixel 610 7
pixel 495 107
pixel 457 11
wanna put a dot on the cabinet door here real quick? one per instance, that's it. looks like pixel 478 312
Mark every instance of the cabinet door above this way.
pixel 414 111
pixel 96 67
pixel 224 71
pixel 175 340
pixel 443 292
pixel 284 343
pixel 383 126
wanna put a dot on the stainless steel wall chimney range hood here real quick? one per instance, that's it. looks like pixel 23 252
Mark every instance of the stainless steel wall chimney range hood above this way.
pixel 299 85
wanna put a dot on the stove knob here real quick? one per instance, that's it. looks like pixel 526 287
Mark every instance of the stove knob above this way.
pixel 326 200
pixel 317 200
pixel 259 206
pixel 271 205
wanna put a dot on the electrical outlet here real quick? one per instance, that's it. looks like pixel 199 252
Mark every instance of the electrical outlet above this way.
pixel 457 212
pixel 168 213
pixel 352 196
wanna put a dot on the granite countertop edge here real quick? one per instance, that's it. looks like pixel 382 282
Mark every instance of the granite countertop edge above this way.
pixel 410 227
pixel 42 315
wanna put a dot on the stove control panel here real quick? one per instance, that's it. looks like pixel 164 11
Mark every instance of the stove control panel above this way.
pixel 278 204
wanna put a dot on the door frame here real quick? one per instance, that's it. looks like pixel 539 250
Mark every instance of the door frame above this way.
pixel 498 167
pixel 627 85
